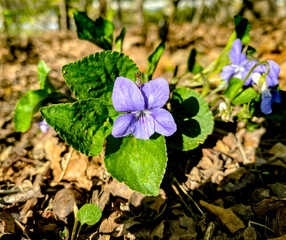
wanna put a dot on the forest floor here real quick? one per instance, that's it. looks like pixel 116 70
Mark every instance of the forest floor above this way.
pixel 232 187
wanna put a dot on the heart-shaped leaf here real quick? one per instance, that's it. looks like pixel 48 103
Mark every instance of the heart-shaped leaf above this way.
pixel 84 124
pixel 94 76
pixel 193 117
pixel 140 164
pixel 89 214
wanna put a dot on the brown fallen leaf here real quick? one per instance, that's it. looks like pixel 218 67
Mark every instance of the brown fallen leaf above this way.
pixel 109 224
pixel 53 151
pixel 64 202
pixel 227 216
pixel 158 231
pixel 265 206
pixel 249 233
pixel 76 170
pixel 278 150
pixel 281 220
pixel 7 223
pixel 278 238
pixel 118 189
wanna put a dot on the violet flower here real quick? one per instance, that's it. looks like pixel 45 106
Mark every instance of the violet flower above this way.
pixel 269 96
pixel 44 126
pixel 272 77
pixel 267 83
pixel 143 105
pixel 240 66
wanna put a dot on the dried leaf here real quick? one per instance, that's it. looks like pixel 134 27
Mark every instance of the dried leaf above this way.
pixel 64 202
pixel 109 224
pixel 227 216
pixel 76 170
pixel 249 233
pixel 278 150
pixel 7 223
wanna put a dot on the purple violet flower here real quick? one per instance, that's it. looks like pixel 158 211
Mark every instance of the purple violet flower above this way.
pixel 269 96
pixel 44 127
pixel 240 66
pixel 143 105
pixel 267 83
pixel 272 77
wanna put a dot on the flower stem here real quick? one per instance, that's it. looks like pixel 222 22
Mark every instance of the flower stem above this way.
pixel 249 73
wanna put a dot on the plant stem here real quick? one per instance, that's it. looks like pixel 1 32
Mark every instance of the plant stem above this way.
pixel 75 224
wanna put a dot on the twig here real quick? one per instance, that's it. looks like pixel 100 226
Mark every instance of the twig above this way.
pixel 182 200
pixel 66 165
pixel 22 228
pixel 260 225
pixel 188 195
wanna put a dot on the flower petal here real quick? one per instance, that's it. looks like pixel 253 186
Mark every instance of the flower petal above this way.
pixel 122 125
pixel 227 72
pixel 164 122
pixel 156 93
pixel 266 105
pixel 143 127
pixel 276 96
pixel 274 70
pixel 126 96
pixel 242 75
pixel 235 52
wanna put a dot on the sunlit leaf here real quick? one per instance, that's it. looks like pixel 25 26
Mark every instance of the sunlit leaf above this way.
pixel 89 214
pixel 233 88
pixel 84 125
pixel 94 76
pixel 154 58
pixel 193 65
pixel 242 28
pixel 99 31
pixel 246 96
pixel 27 106
pixel 119 40
pixel 140 164
pixel 43 72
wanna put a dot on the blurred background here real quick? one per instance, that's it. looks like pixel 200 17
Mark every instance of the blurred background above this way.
pixel 31 16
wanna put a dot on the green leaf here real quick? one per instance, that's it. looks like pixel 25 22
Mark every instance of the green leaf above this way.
pixel 89 214
pixel 27 106
pixel 154 58
pixel 84 125
pixel 193 65
pixel 193 117
pixel 94 76
pixel 140 164
pixel 99 31
pixel 43 72
pixel 246 96
pixel 233 88
pixel 242 28
pixel 119 40
pixel 250 50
